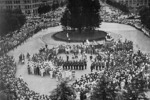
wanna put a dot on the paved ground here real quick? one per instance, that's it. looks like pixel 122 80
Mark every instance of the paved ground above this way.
pixel 44 85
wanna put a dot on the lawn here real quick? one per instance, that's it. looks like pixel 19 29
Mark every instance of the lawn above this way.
pixel 76 36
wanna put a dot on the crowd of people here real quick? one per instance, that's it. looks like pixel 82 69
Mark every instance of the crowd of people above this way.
pixel 31 27
pixel 47 68
pixel 120 65
pixel 123 69
pixel 17 87
pixel 98 65
pixel 50 61
pixel 85 84
pixel 46 63
pixel 81 65
pixel 116 16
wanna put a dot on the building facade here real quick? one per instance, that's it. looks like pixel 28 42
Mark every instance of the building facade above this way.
pixel 28 7
pixel 134 5
pixel 47 2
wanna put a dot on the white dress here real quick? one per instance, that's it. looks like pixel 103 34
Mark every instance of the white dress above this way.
pixel 32 69
pixel 78 96
pixel 50 73
pixel 42 72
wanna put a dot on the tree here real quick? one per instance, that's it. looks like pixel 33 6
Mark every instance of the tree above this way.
pixel 44 9
pixel 145 16
pixel 5 93
pixel 103 90
pixel 65 20
pixel 118 5
pixel 63 92
pixel 11 20
pixel 55 4
pixel 62 3
pixel 103 1
pixel 81 14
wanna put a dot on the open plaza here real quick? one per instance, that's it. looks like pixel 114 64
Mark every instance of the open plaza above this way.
pixel 38 63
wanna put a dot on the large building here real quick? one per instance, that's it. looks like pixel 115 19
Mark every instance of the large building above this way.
pixel 27 6
pixel 134 5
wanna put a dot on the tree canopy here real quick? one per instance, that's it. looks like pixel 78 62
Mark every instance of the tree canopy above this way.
pixel 10 20
pixel 5 93
pixel 44 9
pixel 82 14
pixel 55 4
pixel 103 91
pixel 63 92
pixel 145 16
pixel 118 5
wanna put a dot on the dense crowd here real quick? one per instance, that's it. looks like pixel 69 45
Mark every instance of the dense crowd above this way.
pixel 17 87
pixel 31 27
pixel 123 69
pixel 49 61
pixel 121 66
pixel 116 16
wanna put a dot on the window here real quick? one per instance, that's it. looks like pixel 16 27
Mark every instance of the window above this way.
pixel 17 2
pixel 26 1
pixel 9 2
pixel 26 7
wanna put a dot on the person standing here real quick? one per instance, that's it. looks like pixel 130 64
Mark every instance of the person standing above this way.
pixel 83 95
pixel 32 69
pixel 42 71
pixel 51 74
pixel 35 71
pixel 85 64
pixel 67 57
pixel 38 70
pixel 46 46
pixel 29 71
pixel 28 56
pixel 57 79
pixel 92 66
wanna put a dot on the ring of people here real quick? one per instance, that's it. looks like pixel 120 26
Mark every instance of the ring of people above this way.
pixel 115 59
pixel 118 65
